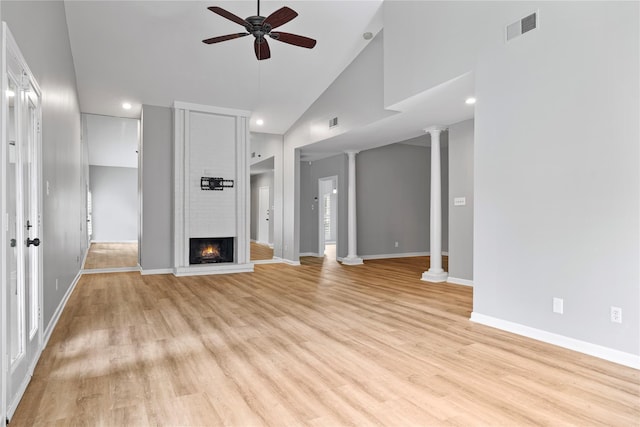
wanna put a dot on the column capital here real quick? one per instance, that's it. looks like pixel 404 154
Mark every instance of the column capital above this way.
pixel 435 129
pixel 351 152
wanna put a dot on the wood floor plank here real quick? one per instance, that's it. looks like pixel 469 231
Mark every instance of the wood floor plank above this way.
pixel 111 255
pixel 320 345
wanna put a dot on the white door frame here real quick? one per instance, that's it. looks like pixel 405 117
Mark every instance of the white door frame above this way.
pixel 263 222
pixel 30 319
pixel 321 242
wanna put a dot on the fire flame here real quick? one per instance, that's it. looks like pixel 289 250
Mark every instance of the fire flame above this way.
pixel 210 251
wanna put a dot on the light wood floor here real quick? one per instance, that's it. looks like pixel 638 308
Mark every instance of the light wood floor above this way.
pixel 319 345
pixel 260 252
pixel 111 255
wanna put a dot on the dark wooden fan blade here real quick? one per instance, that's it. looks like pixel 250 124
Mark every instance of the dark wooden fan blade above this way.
pixel 224 38
pixel 294 39
pixel 262 49
pixel 280 17
pixel 230 16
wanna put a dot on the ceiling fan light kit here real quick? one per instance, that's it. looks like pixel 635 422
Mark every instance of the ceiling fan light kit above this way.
pixel 260 27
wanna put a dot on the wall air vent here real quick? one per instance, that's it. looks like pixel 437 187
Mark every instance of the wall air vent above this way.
pixel 521 26
pixel 333 122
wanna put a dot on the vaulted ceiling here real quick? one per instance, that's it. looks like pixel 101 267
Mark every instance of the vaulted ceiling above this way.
pixel 151 52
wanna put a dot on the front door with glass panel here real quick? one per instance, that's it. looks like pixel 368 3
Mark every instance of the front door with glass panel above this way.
pixel 23 275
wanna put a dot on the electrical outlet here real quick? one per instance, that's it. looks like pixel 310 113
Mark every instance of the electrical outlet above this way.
pixel 396 244
pixel 616 314
pixel 558 305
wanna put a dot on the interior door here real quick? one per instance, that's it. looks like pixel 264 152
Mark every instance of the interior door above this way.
pixel 23 290
pixel 263 215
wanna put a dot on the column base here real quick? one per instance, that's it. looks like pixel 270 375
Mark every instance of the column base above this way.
pixel 433 276
pixel 352 261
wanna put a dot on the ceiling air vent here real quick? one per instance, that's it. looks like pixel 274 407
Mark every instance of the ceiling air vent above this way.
pixel 253 154
pixel 524 25
pixel 333 122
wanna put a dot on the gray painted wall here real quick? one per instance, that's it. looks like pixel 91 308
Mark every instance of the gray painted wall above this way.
pixel 257 181
pixel 392 196
pixel 114 192
pixel 310 173
pixel 40 29
pixel 461 185
pixel 156 183
pixel 393 193
pixel 557 174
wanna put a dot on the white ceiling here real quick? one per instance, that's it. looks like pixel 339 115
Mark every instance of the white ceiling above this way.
pixel 438 106
pixel 151 52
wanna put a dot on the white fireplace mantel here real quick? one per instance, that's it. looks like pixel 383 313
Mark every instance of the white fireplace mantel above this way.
pixel 211 142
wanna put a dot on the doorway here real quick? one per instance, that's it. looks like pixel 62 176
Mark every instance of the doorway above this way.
pixel 261 227
pixel 112 192
pixel 328 216
pixel 22 280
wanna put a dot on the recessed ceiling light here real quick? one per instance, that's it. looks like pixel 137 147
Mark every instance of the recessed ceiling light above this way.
pixel 126 106
pixel 259 122
pixel 10 93
pixel 470 101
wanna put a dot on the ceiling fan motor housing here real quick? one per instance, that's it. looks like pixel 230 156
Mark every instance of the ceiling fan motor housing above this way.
pixel 256 27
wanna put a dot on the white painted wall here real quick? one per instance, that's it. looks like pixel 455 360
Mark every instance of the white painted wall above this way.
pixel 113 145
pixel 427 43
pixel 113 141
pixel 557 174
pixel 114 192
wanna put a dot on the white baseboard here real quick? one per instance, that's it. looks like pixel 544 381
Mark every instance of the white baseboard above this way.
pixel 114 241
pixel 606 353
pixel 315 254
pixel 84 258
pixel 209 269
pixel 156 271
pixel 56 316
pixel 287 261
pixel 398 255
pixel 110 270
pixel 267 261
pixel 456 281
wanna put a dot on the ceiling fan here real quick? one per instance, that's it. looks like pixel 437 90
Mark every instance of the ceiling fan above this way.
pixel 259 27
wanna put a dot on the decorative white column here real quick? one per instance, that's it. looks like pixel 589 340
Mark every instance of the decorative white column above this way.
pixel 435 272
pixel 352 257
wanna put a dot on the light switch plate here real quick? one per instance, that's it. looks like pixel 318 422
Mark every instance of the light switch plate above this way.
pixel 459 201
pixel 558 305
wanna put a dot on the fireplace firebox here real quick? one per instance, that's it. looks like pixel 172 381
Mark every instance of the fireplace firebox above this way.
pixel 210 250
